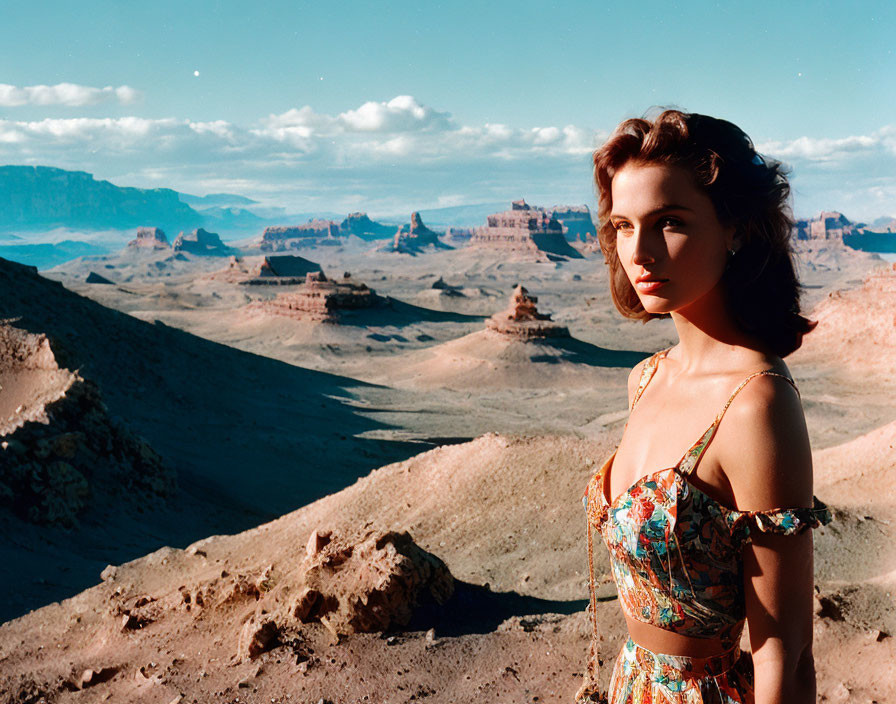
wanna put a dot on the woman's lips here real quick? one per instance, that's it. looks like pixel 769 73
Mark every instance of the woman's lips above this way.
pixel 650 285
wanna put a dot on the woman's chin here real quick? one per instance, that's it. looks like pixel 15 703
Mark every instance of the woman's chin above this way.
pixel 657 306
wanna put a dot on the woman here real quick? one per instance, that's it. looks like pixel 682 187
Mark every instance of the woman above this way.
pixel 694 225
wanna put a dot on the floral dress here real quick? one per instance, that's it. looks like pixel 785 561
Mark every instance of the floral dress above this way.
pixel 676 558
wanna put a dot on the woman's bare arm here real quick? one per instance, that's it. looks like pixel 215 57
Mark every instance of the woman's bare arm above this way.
pixel 767 459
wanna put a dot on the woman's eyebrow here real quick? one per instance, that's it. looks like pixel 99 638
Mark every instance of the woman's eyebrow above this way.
pixel 656 211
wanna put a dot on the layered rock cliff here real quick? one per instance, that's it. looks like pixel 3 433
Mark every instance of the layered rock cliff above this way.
pixel 313 232
pixel 41 197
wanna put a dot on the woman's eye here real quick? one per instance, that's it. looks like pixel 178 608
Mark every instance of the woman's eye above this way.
pixel 622 226
pixel 671 222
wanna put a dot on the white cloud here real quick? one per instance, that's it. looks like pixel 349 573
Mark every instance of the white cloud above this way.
pixel 67 94
pixel 403 155
pixel 833 149
pixel 298 117
pixel 88 128
pixel 401 114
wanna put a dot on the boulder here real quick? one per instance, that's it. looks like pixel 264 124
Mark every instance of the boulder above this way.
pixel 374 582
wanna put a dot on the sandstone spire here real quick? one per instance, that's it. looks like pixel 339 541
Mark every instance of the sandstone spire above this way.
pixel 521 319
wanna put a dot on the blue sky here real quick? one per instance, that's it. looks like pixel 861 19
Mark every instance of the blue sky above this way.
pixel 390 107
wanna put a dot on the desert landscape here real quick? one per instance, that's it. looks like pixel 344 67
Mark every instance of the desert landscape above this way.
pixel 314 465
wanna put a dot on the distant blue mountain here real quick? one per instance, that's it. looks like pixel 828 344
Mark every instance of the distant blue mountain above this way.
pixel 455 216
pixel 43 197
pixel 220 200
pixel 46 256
pixel 233 220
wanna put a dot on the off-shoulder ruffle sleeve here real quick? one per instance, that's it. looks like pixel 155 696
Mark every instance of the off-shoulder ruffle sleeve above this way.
pixel 782 521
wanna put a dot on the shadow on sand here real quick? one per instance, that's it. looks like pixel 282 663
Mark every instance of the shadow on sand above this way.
pixel 575 351
pixel 476 609
pixel 251 438
pixel 395 313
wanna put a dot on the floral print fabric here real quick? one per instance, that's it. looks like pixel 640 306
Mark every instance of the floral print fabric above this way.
pixel 676 553
pixel 641 677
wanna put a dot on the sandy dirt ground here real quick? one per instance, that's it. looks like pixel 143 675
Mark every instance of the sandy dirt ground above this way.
pixel 411 417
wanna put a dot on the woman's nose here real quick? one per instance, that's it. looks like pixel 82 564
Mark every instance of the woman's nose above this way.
pixel 641 251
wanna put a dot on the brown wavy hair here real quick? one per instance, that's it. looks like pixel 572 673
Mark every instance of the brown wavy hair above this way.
pixel 749 191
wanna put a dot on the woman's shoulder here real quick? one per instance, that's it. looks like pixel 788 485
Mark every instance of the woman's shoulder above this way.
pixel 637 373
pixel 764 449
pixel 634 377
pixel 764 386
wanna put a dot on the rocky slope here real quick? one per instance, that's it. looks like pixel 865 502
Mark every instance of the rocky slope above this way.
pixel 61 455
pixel 228 617
pixel 249 437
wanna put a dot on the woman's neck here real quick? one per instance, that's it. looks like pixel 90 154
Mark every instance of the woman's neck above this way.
pixel 707 332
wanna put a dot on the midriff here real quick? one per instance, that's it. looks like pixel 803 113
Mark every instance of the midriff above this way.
pixel 660 640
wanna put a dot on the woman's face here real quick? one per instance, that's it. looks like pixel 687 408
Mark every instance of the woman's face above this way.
pixel 668 237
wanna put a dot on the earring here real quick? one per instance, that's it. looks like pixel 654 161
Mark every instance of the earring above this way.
pixel 731 253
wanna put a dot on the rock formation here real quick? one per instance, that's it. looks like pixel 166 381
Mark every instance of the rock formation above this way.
pixel 368 584
pixel 576 221
pixel 413 238
pixel 283 269
pixel 267 270
pixel 349 582
pixel 521 319
pixel 320 298
pixel 527 230
pixel 201 242
pixel 313 232
pixel 360 225
pixel 151 238
pixel 826 226
pixel 59 450
pixel 833 228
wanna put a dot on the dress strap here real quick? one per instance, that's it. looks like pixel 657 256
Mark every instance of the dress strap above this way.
pixel 647 374
pixel 688 463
